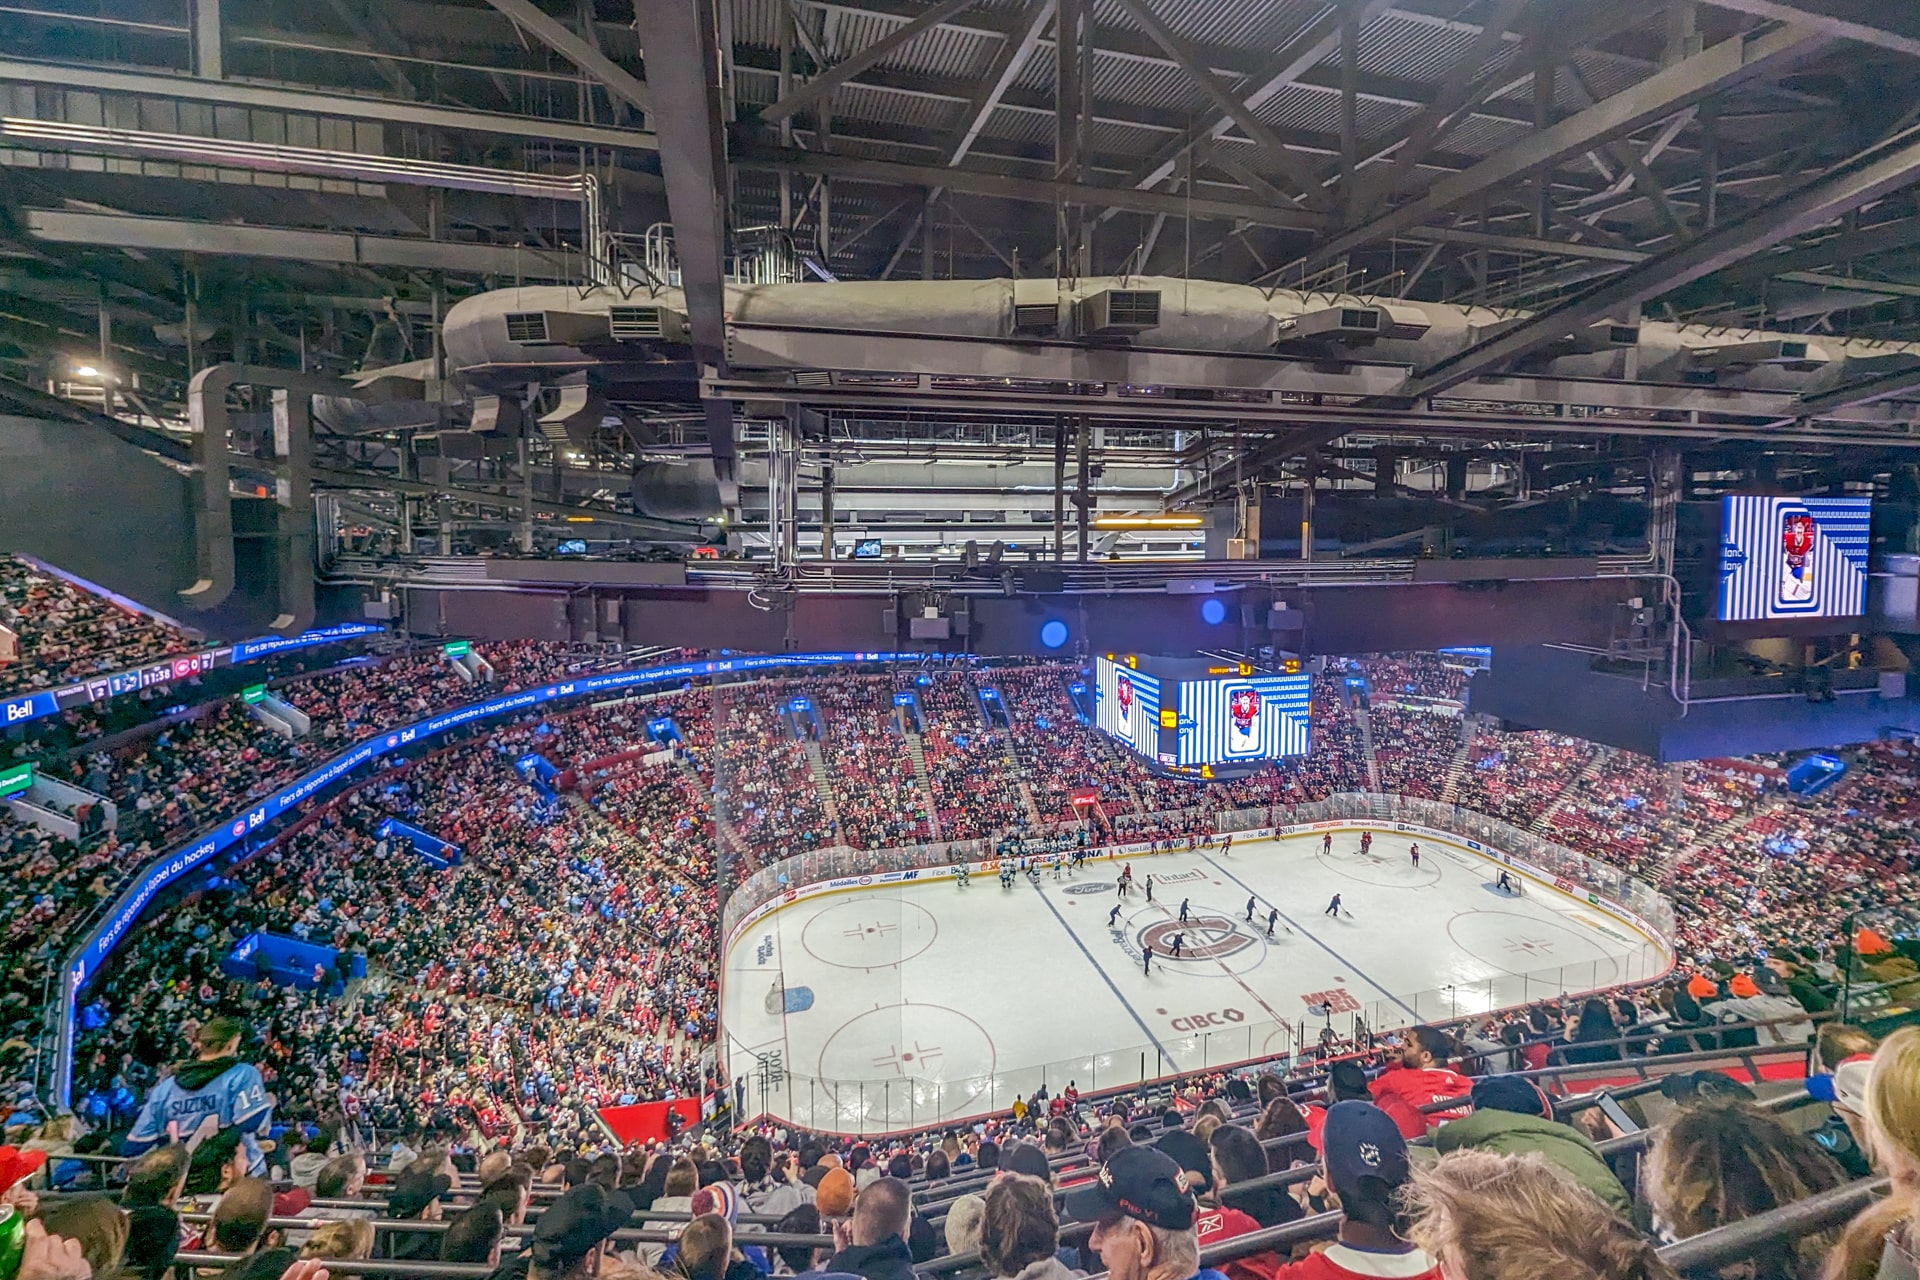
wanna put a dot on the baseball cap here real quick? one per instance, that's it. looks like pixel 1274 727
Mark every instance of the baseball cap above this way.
pixel 1139 1182
pixel 576 1222
pixel 1846 1088
pixel 1359 1141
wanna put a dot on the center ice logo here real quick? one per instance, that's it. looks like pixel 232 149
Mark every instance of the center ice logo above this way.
pixel 1204 938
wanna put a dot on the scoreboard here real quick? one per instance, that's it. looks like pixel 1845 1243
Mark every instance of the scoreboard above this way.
pixel 1190 713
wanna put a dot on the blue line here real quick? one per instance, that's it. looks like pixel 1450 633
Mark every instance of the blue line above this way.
pixel 1106 978
pixel 1314 938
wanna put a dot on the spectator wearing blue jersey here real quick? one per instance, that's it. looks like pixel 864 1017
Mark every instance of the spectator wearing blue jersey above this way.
pixel 212 1092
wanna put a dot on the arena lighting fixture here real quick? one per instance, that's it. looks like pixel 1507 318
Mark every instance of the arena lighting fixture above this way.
pixel 86 371
pixel 1053 633
pixel 1148 522
pixel 1213 611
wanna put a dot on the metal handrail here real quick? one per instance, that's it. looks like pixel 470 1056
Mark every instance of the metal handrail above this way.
pixel 387 1226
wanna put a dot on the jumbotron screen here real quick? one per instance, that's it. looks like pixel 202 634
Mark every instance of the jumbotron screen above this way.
pixel 1243 718
pixel 1794 558
pixel 1127 705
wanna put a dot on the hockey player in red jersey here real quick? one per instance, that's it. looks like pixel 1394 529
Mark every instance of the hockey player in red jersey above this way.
pixel 1418 1077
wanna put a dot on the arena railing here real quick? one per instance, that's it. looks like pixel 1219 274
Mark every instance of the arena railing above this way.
pixel 254 826
pixel 1698 1255
pixel 894 1104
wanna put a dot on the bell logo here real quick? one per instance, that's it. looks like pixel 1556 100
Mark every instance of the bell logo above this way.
pixel 21 710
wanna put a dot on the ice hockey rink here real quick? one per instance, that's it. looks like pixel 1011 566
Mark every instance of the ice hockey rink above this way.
pixel 884 1007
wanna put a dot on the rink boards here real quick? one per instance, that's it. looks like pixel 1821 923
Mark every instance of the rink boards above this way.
pixel 873 1003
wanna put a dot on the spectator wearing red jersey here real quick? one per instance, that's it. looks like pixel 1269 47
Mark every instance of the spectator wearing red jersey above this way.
pixel 1418 1078
pixel 1366 1164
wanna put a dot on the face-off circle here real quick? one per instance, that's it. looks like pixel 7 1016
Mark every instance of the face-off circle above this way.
pixel 1525 945
pixel 869 931
pixel 1384 868
pixel 911 1061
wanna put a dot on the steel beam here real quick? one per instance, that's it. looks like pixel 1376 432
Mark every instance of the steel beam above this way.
pixel 1872 391
pixel 287 244
pixel 228 93
pixel 1875 22
pixel 559 37
pixel 683 66
pixel 1731 62
pixel 1226 100
pixel 1301 54
pixel 1037 190
pixel 1867 177
pixel 833 77
pixel 1018 46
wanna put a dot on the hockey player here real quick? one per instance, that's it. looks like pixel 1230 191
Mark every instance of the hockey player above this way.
pixel 1333 908
pixel 1183 911
pixel 1414 852
pixel 1366 842
pixel 1326 843
pixel 960 874
pixel 1227 847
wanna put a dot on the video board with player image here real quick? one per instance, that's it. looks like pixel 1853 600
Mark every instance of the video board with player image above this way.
pixel 1785 558
pixel 1261 717
pixel 1127 704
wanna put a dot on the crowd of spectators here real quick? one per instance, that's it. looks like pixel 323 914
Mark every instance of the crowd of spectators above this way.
pixel 586 930
pixel 63 633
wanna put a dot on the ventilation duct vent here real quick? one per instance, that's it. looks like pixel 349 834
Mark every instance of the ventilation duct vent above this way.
pixel 1352 326
pixel 1589 341
pixel 529 327
pixel 1745 355
pixel 1118 312
pixel 1037 318
pixel 555 328
pixel 647 324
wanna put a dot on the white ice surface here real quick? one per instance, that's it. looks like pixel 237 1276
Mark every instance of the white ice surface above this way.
pixel 933 1002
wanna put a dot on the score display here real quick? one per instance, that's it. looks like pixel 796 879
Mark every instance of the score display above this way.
pixel 1793 558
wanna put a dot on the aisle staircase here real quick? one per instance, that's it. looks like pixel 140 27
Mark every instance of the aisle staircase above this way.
pixel 918 754
pixel 1366 746
pixel 1011 752
pixel 1718 838
pixel 1450 793
pixel 1545 816
pixel 822 781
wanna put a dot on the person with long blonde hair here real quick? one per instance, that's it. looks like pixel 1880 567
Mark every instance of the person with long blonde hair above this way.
pixel 1486 1216
pixel 1883 1242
